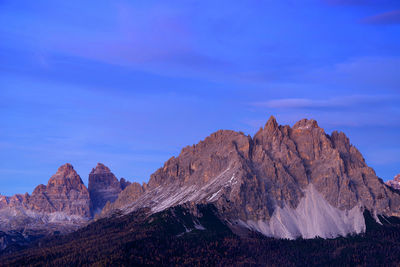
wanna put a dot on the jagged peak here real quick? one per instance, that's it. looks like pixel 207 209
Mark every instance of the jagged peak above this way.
pixel 67 167
pixel 124 183
pixel 395 183
pixel 218 137
pixel 305 124
pixel 339 135
pixel 38 189
pixel 65 172
pixel 100 168
pixel 340 138
pixel 271 123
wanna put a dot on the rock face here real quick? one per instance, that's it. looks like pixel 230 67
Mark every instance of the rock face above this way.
pixel 129 195
pixel 104 187
pixel 65 192
pixel 395 183
pixel 283 182
pixel 62 203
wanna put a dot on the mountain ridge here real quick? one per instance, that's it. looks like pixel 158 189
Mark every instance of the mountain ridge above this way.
pixel 283 182
pixel 260 181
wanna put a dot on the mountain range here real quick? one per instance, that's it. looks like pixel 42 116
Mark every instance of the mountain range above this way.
pixel 63 205
pixel 283 182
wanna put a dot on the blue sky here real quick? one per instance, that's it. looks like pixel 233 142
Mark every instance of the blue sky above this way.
pixel 129 83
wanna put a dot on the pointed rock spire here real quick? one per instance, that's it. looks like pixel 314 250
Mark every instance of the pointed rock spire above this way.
pixel 100 168
pixel 65 192
pixel 271 124
pixel 103 187
pixel 66 176
pixel 65 169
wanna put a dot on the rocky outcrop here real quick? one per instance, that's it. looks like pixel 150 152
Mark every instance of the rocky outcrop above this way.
pixel 395 183
pixel 284 182
pixel 104 187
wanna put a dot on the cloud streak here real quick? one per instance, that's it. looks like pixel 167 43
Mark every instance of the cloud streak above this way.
pixel 300 103
pixel 384 3
pixel 387 18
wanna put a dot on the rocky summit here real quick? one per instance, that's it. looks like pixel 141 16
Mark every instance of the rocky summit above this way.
pixel 285 182
pixel 395 183
pixel 104 187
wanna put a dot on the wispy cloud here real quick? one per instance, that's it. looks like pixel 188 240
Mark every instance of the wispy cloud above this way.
pixel 391 17
pixel 360 72
pixel 385 3
pixel 348 2
pixel 161 39
pixel 344 101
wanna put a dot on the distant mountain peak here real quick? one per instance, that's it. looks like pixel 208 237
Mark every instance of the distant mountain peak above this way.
pixel 61 204
pixel 271 123
pixel 65 169
pixel 306 124
pixel 395 183
pixel 66 176
pixel 104 187
pixel 100 168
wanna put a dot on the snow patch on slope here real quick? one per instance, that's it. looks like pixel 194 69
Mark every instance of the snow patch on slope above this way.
pixel 165 197
pixel 313 217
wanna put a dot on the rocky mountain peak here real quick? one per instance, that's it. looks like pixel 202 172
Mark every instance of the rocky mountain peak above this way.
pixel 65 192
pixel 61 204
pixel 306 124
pixel 284 182
pixel 271 124
pixel 395 183
pixel 124 183
pixel 67 177
pixel 104 187
pixel 101 175
pixel 100 168
pixel 65 170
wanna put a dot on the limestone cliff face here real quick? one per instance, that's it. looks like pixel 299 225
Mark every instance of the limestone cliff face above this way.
pixel 104 187
pixel 305 154
pixel 271 181
pixel 129 195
